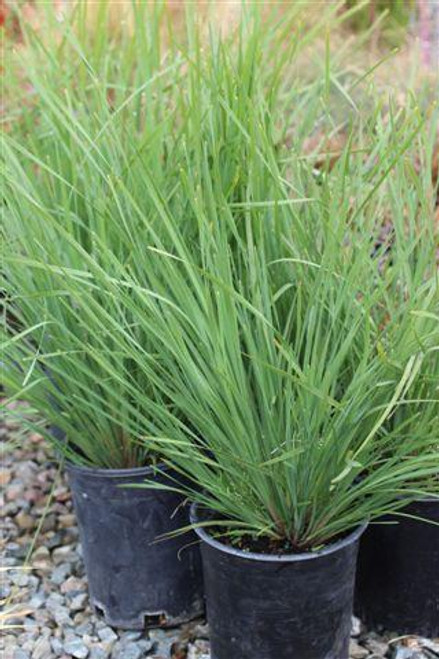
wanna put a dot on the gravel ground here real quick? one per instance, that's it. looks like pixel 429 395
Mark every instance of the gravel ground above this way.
pixel 46 612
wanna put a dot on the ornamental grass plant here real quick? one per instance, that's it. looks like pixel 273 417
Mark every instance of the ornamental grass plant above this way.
pixel 223 303
pixel 277 410
pixel 409 261
pixel 292 405
pixel 117 125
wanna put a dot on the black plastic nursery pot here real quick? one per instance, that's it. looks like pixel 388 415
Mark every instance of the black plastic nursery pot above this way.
pixel 398 573
pixel 135 582
pixel 295 606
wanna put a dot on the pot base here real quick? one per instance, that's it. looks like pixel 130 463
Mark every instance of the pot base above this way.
pixel 146 619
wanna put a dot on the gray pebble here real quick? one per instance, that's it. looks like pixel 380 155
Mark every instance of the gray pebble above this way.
pixel 126 651
pixel 54 601
pixel 429 645
pixel 378 647
pixel 54 540
pixel 8 643
pixel 11 561
pixel 76 648
pixel 29 645
pixel 407 653
pixel 49 523
pixel 97 652
pixel 34 581
pixel 42 616
pixel 84 628
pixel 19 653
pixel 20 578
pixel 25 471
pixel 145 645
pixel 130 636
pixel 107 634
pixel 5 591
pixel 356 651
pixel 79 602
pixel 10 509
pixel 42 649
pixel 57 646
pixel 164 640
pixel 62 617
pixel 70 635
pixel 73 586
pixel 64 554
pixel 31 633
pixel 201 630
pixel 41 552
pixel 37 600
pixel 198 651
pixel 60 573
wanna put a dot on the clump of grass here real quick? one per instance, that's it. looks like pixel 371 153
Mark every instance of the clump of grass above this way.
pixel 283 382
pixel 119 127
pixel 274 378
pixel 226 305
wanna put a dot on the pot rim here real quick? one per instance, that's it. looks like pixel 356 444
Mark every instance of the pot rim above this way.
pixel 104 472
pixel 274 558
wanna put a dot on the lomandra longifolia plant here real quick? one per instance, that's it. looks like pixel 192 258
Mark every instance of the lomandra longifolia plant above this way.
pixel 215 303
pixel 408 258
pixel 287 411
pixel 68 143
pixel 119 127
pixel 273 381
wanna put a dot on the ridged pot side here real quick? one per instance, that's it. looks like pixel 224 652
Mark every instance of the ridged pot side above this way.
pixel 398 572
pixel 135 581
pixel 279 607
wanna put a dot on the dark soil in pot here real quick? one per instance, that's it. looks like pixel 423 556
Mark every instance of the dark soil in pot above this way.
pixel 289 606
pixel 133 580
pixel 398 573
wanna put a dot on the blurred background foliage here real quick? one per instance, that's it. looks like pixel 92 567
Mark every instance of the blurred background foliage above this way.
pixel 372 27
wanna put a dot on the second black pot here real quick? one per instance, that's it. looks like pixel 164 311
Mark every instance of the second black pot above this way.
pixel 398 573
pixel 134 581
pixel 295 606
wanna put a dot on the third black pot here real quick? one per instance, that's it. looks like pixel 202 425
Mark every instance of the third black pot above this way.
pixel 295 606
pixel 133 580
pixel 398 573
